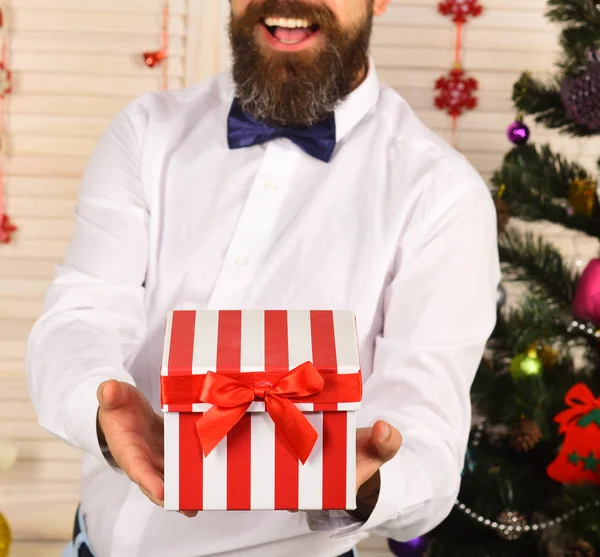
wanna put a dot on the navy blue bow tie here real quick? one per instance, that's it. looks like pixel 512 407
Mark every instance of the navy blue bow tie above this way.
pixel 244 131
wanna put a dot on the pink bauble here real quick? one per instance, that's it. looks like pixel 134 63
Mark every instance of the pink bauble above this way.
pixel 586 304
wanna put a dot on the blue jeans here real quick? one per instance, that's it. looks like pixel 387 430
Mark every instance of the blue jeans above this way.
pixel 81 546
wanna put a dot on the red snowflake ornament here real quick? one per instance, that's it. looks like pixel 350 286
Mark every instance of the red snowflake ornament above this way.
pixel 7 229
pixel 456 93
pixel 460 10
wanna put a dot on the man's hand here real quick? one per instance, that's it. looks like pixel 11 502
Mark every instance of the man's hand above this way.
pixel 134 433
pixel 374 447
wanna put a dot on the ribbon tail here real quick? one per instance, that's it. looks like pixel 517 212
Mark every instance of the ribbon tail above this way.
pixel 293 425
pixel 215 424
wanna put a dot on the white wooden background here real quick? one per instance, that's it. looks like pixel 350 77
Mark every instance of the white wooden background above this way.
pixel 77 62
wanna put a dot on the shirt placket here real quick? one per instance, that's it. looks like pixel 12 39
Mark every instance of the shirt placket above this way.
pixel 255 225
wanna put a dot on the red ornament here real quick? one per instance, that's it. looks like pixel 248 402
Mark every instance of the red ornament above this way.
pixel 152 59
pixel 586 302
pixel 7 228
pixel 456 92
pixel 460 10
pixel 579 458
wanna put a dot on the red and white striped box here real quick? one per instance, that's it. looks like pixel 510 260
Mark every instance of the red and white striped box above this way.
pixel 255 465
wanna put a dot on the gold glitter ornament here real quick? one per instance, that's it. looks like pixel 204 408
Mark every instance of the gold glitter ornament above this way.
pixel 5 537
pixel 582 196
pixel 549 356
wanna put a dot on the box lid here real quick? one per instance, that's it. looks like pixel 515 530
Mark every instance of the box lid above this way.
pixel 271 342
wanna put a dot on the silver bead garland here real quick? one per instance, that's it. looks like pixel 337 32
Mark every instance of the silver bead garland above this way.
pixel 478 432
pixel 507 530
pixel 584 328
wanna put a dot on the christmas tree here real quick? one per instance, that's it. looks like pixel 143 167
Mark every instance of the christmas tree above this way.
pixel 531 481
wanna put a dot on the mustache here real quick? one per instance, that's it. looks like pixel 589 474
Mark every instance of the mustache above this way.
pixel 315 13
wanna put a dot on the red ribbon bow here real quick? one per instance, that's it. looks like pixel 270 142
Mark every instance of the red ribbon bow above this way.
pixel 231 399
pixel 582 402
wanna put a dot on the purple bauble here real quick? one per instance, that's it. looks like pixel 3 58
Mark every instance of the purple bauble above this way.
pixel 581 97
pixel 518 133
pixel 413 548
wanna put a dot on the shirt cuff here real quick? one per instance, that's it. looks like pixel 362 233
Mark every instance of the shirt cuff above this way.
pixel 341 524
pixel 81 409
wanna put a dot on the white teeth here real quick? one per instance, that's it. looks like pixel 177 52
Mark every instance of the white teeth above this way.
pixel 287 23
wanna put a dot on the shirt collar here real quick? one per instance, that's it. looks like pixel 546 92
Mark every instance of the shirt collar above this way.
pixel 347 115
pixel 358 103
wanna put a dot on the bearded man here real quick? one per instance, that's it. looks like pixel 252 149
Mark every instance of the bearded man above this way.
pixel 295 181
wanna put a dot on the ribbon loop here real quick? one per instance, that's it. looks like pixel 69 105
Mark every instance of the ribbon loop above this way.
pixel 232 398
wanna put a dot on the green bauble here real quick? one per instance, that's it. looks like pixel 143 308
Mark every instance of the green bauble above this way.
pixel 528 364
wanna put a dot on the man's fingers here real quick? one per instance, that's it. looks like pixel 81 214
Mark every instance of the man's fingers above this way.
pixel 112 394
pixel 189 514
pixel 386 439
pixel 136 464
pixel 161 503
pixel 152 498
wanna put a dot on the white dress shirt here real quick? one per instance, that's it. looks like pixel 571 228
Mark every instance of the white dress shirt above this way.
pixel 398 227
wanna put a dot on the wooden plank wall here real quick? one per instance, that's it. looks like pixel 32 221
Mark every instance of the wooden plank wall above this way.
pixel 77 62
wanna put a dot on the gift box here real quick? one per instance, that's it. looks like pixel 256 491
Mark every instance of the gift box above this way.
pixel 260 410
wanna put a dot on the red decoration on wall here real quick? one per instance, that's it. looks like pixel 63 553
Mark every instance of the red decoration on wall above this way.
pixel 7 228
pixel 456 90
pixel 155 57
pixel 456 93
pixel 579 458
pixel 460 10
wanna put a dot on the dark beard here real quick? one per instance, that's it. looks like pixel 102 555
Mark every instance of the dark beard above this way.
pixel 288 88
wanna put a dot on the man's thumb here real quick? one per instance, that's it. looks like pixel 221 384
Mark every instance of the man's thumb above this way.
pixel 112 394
pixel 387 440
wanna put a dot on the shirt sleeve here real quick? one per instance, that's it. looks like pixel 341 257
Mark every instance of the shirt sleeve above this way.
pixel 439 311
pixel 93 314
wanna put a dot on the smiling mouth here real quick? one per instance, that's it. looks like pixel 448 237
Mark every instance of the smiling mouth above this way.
pixel 290 32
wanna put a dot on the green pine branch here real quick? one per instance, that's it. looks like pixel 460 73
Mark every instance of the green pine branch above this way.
pixel 533 320
pixel 535 260
pixel 543 102
pixel 577 12
pixel 538 185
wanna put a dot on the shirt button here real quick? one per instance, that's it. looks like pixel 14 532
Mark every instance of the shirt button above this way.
pixel 269 185
pixel 242 261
